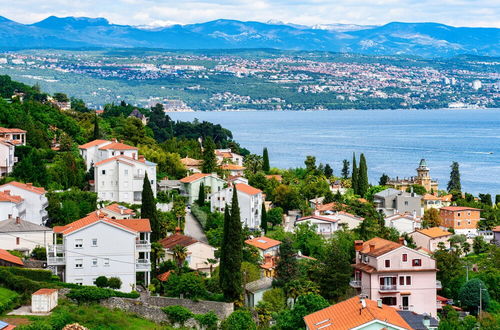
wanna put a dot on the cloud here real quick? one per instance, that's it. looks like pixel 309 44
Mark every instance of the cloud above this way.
pixel 309 12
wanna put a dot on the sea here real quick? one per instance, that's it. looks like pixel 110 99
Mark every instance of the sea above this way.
pixel 393 141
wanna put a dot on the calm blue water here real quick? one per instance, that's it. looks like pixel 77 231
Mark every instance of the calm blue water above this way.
pixel 393 141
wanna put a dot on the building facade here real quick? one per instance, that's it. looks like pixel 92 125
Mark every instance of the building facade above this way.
pixel 20 235
pixel 403 223
pixel 9 139
pixel 190 185
pixel 430 238
pixel 423 178
pixel 34 200
pixel 463 220
pixel 392 201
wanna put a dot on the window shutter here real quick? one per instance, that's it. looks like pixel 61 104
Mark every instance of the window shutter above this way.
pixel 381 281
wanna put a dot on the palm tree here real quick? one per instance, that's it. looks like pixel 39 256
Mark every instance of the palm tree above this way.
pixel 180 254
pixel 211 262
pixel 158 253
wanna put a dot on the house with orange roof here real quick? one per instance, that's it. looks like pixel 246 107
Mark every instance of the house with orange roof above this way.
pixel 462 219
pixel 357 313
pixel 9 139
pixel 34 200
pixel 228 156
pixel 399 276
pixel 233 169
pixel 250 201
pixel 15 135
pixel 403 222
pixel 8 259
pixel 11 205
pixel 496 235
pixel 430 238
pixel 98 150
pixel 192 165
pixel 97 246
pixel 433 201
pixel 117 211
pixel 190 185
pixel 269 252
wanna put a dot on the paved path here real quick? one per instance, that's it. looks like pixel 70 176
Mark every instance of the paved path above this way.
pixel 192 228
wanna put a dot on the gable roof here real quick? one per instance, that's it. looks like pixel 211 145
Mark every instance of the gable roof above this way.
pixel 92 144
pixel 123 159
pixel 94 217
pixel 263 242
pixel 194 177
pixel 317 217
pixel 416 321
pixel 382 246
pixel 349 314
pixel 247 189
pixel 177 239
pixel 7 197
pixel 186 161
pixel 11 130
pixel 357 217
pixel 24 186
pixel 260 284
pixel 139 225
pixel 13 226
pixel 117 146
pixel 459 208
pixel 434 232
pixel 44 292
pixel 120 209
pixel 5 255
pixel 232 167
pixel 398 216
pixel 163 277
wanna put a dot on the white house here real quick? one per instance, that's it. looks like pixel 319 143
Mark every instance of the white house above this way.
pixel 404 223
pixel 121 178
pixel 11 206
pixel 326 225
pixel 233 170
pixel 44 300
pixel 98 150
pixel 249 199
pixel 190 185
pixel 99 246
pixel 15 135
pixel 350 220
pixel 226 155
pixel 7 159
pixel 35 201
pixel 23 236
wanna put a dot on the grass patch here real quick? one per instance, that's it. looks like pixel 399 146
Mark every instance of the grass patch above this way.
pixel 8 299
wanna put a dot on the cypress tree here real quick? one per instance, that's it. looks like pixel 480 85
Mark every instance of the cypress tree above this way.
pixel 223 270
pixel 209 159
pixel 287 268
pixel 454 183
pixel 96 128
pixel 231 278
pixel 263 218
pixel 354 176
pixel 148 209
pixel 345 168
pixel 362 176
pixel 201 195
pixel 265 161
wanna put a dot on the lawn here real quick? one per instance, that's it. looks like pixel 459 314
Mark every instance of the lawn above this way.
pixel 6 295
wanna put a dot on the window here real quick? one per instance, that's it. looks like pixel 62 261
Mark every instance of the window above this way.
pixel 405 257
pixel 126 172
pixel 468 222
pixel 387 263
pixel 391 301
pixel 94 241
pixel 468 213
pixel 94 262
pixel 406 203
pixel 78 243
pixel 122 153
pixel 152 181
pixel 458 223
pixel 458 214
pixel 417 262
pixel 401 280
pixel 408 280
pixel 106 261
pixel 18 240
pixel 103 172
pixel 78 263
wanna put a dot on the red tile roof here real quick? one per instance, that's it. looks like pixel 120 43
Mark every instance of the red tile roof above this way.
pixel 163 277
pixel 194 177
pixel 5 196
pixel 434 232
pixel 191 161
pixel 5 255
pixel 44 291
pixel 496 229
pixel 318 217
pixel 121 158
pixel 349 314
pixel 139 225
pixel 458 208
pixel 232 167
pixel 11 130
pixel 244 188
pixel 117 146
pixel 177 239
pixel 25 186
pixel 92 144
pixel 135 225
pixel 382 246
pixel 263 242
pixel 117 208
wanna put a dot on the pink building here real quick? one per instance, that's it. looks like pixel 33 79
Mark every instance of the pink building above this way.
pixel 399 276
pixel 430 238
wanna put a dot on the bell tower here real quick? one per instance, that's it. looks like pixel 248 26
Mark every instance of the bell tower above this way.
pixel 423 176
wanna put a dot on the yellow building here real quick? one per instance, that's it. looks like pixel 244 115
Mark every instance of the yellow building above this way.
pixel 423 178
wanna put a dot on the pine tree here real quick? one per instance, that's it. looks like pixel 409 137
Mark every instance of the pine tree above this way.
pixel 263 218
pixel 232 254
pixel 209 159
pixel 362 176
pixel 345 168
pixel 354 176
pixel 328 171
pixel 383 179
pixel 287 268
pixel 96 127
pixel 454 183
pixel 265 161
pixel 148 209
pixel 201 195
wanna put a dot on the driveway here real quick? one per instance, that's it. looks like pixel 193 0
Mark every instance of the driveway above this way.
pixel 192 228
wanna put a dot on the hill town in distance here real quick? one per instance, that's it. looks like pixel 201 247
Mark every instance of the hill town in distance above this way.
pixel 113 215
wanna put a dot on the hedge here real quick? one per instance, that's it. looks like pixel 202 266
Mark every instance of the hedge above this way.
pixel 9 299
pixel 16 283
pixel 85 294
pixel 39 275
pixel 199 214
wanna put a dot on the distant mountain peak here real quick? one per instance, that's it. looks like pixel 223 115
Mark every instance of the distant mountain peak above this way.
pixel 79 22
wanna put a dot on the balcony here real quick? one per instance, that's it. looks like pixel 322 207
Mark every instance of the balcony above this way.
pixel 406 308
pixel 355 283
pixel 56 261
pixel 142 245
pixel 55 249
pixel 388 287
pixel 143 265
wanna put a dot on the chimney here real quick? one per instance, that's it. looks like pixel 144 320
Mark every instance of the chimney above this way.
pixel 121 211
pixel 178 230
pixel 18 220
pixel 372 247
pixel 379 303
pixel 401 240
pixel 29 185
pixel 358 245
pixel 141 158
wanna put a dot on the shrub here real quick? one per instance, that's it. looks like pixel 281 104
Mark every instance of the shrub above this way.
pixel 19 284
pixel 114 283
pixel 39 253
pixel 8 299
pixel 32 274
pixel 208 320
pixel 101 282
pixel 89 294
pixel 191 285
pixel 199 214
pixel 178 314
pixel 239 320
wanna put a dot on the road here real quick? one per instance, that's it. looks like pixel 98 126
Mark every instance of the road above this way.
pixel 192 228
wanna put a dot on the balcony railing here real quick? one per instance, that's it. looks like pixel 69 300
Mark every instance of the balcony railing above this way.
pixel 54 261
pixel 389 287
pixel 355 283
pixel 55 249
pixel 406 308
pixel 142 245
pixel 143 265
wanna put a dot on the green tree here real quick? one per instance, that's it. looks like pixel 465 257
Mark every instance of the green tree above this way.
pixel 431 218
pixel 101 282
pixel 345 169
pixel 148 209
pixel 275 216
pixel 305 305
pixel 469 295
pixel 265 161
pixel 240 319
pixel 383 179
pixel 417 189
pixel 209 159
pixel 454 183
pixel 363 176
pixel 180 254
pixel 287 268
pixel 96 134
pixel 328 171
pixel 177 314
pixel 263 219
pixel 114 283
pixel 355 175
pixel 479 245
pixel 201 195
pixel 310 163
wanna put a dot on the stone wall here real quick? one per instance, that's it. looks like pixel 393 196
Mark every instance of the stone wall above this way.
pixel 222 309
pixel 151 313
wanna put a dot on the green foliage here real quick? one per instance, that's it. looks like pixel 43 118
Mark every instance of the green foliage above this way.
pixel 177 314
pixel 479 245
pixel 263 218
pixel 287 268
pixel 431 218
pixel 345 169
pixel 354 175
pixel 148 209
pixel 208 320
pixel 68 206
pixel 362 183
pixel 114 283
pixel 190 285
pixel 265 161
pixel 201 195
pixel 16 283
pixel 384 178
pixel 8 299
pixel 275 216
pixel 251 272
pixel 454 183
pixel 469 295
pixel 307 241
pixel 209 159
pixel 417 189
pixel 87 294
pixel 239 320
pixel 305 305
pixel 39 253
pixel 39 275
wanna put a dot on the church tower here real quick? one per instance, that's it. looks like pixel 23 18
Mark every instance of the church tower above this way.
pixel 423 176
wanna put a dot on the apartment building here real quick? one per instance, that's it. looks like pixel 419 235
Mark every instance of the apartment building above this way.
pixel 325 225
pixel 190 185
pixel 9 139
pixel 392 201
pixel 397 275
pixel 98 150
pixel 462 219
pixel 34 201
pixel 100 246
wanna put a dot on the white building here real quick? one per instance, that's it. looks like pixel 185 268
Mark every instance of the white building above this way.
pixel 350 220
pixel 44 300
pixel 226 155
pixel 11 206
pixel 121 178
pixel 325 225
pixel 98 150
pixel 35 201
pixel 249 199
pixel 99 246
pixel 404 223
pixel 9 139
pixel 23 236
pixel 190 185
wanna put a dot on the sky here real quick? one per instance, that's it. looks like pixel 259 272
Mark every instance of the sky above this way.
pixel 477 13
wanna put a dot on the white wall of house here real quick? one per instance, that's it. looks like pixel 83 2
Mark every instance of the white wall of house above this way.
pixel 90 154
pixel 14 209
pixel 7 159
pixel 211 182
pixel 34 203
pixel 351 221
pixel 323 227
pixel 25 240
pixel 250 205
pixel 402 224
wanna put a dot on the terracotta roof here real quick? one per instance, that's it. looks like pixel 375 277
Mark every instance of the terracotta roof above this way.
pixel 458 208
pixel 447 198
pixel 139 225
pixel 351 215
pixel 232 167
pixel 163 277
pixel 117 146
pixel 194 177
pixel 497 228
pixel 244 188
pixel 276 177
pixel 7 197
pixel 382 246
pixel 262 242
pixel 318 217
pixel 191 161
pixel 5 255
pixel 11 130
pixel 25 186
pixel 430 197
pixel 224 154
pixel 92 144
pixel 44 291
pixel 117 208
pixel 441 298
pixel 364 267
pixel 434 232
pixel 330 206
pixel 349 314
pixel 177 239
pixel 122 158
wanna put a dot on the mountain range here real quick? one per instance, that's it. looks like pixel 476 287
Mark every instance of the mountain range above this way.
pixel 415 39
